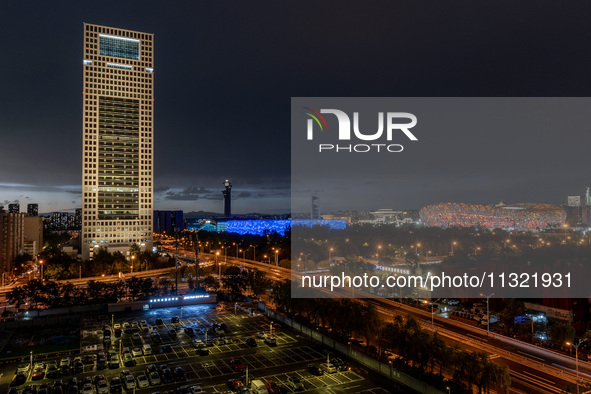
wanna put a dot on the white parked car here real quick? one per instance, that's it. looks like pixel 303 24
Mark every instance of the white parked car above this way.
pixel 147 349
pixel 154 378
pixel 129 382
pixel 328 368
pixel 136 352
pixel 102 387
pixel 142 381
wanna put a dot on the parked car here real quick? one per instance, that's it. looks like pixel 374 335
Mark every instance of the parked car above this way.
pixel 234 384
pixel 102 387
pixel 129 382
pixel 237 365
pixel 115 385
pixel 147 349
pixel 328 368
pixel 271 341
pixel 314 369
pixel 38 372
pixel 272 387
pixel 251 342
pixel 51 370
pixel 340 364
pixel 295 383
pixel 142 381
pixel 154 378
pixel 202 350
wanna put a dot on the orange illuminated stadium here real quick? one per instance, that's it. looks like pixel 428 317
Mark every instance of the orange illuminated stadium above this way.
pixel 520 216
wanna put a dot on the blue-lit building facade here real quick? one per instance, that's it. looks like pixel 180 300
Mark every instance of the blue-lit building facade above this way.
pixel 260 226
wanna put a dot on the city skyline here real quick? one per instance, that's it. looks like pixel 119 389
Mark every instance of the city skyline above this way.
pixel 222 97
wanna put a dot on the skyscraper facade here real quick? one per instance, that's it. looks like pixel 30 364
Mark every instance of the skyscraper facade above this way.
pixel 117 177
pixel 14 208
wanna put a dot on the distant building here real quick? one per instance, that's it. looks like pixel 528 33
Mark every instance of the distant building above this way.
pixel 14 208
pixel 11 239
pixel 520 216
pixel 32 209
pixel 227 199
pixel 576 211
pixel 33 230
pixel 315 214
pixel 78 219
pixel 168 222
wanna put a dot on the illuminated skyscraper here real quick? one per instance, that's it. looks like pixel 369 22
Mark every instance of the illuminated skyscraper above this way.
pixel 117 148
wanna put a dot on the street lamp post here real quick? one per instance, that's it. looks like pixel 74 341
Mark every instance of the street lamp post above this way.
pixel 487 311
pixel 330 255
pixel 452 247
pixel 277 258
pixel 576 359
pixel 132 258
pixel 219 266
pixel 254 252
pixel 432 314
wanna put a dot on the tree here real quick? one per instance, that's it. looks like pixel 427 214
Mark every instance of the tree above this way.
pixel 257 281
pixel 210 282
pixel 512 309
pixel 17 296
pixel 234 281
pixel 562 332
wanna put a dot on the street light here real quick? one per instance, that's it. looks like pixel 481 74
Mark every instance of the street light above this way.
pixel 487 311
pixel 132 258
pixel 576 359
pixel 277 258
pixel 452 247
pixel 254 252
pixel 330 255
pixel 417 246
pixel 219 266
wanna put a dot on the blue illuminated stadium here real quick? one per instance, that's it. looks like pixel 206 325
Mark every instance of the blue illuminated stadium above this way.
pixel 261 226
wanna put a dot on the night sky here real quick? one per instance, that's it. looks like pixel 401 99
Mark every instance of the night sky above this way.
pixel 225 73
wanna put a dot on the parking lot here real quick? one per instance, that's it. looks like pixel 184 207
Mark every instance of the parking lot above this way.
pixel 208 357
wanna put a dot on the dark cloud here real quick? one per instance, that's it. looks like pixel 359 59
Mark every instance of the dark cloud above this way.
pixel 192 194
pixel 161 189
